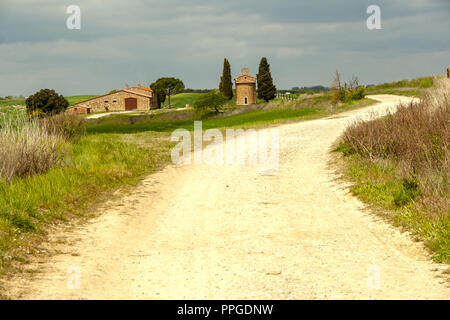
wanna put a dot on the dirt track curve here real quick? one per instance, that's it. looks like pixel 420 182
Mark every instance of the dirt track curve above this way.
pixel 231 232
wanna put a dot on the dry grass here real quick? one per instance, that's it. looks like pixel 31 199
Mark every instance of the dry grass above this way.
pixel 401 162
pixel 62 124
pixel 27 148
pixel 416 138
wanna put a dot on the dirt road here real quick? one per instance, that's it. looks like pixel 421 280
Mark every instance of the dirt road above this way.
pixel 231 232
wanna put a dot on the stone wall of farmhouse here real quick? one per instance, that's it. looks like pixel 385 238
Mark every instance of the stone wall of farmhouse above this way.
pixel 115 102
pixel 77 110
pixel 146 92
pixel 245 90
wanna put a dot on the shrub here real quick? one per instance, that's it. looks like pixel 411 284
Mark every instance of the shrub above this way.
pixel 358 93
pixel 414 134
pixel 213 100
pixel 346 92
pixel 45 102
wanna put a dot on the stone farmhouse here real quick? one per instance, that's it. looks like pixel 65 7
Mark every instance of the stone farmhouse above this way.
pixel 134 98
pixel 245 88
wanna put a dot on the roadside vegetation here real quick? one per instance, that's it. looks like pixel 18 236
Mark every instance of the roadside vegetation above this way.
pixel 346 91
pixel 29 147
pixel 414 87
pixel 50 170
pixel 49 174
pixel 401 165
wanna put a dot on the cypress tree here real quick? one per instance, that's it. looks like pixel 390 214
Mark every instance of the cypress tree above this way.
pixel 226 84
pixel 266 89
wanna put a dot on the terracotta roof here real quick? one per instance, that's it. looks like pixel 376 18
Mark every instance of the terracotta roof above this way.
pixel 143 88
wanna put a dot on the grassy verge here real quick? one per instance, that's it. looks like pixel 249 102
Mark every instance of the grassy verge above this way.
pixel 410 88
pixel 424 83
pixel 9 112
pixel 408 92
pixel 400 165
pixel 97 164
pixel 381 185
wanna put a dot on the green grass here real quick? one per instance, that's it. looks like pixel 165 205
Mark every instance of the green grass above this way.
pixel 98 164
pixel 408 92
pixel 11 102
pixel 75 99
pixel 425 82
pixel 410 88
pixel 180 100
pixel 378 184
pixel 7 112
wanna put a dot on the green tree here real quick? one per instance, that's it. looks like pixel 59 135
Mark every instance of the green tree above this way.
pixel 226 83
pixel 266 89
pixel 211 100
pixel 159 92
pixel 165 87
pixel 45 102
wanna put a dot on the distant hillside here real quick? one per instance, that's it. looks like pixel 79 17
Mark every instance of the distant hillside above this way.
pixel 304 89
pixel 21 101
pixel 75 99
pixel 196 90
pixel 406 87
pixel 180 100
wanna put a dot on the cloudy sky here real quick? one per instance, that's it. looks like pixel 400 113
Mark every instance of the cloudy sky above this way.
pixel 137 41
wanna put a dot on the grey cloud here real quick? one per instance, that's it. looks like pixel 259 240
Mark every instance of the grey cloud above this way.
pixel 137 41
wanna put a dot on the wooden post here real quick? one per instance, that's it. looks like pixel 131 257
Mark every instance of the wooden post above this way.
pixel 448 73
